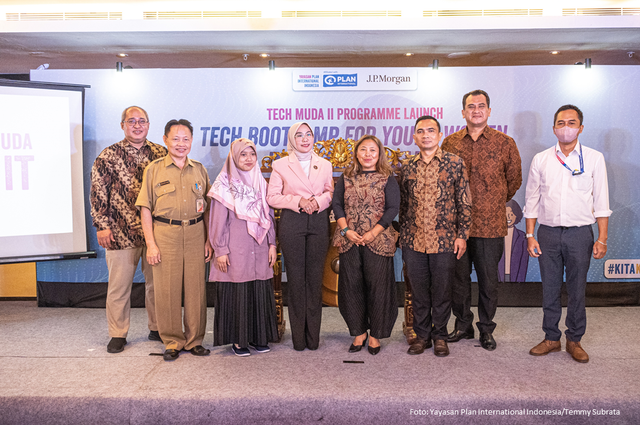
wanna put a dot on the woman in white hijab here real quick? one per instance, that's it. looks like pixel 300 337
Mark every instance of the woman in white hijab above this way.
pixel 242 233
pixel 301 184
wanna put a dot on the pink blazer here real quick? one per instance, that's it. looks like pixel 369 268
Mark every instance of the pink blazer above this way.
pixel 289 183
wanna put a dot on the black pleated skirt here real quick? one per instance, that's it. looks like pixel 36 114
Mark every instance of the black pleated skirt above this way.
pixel 245 313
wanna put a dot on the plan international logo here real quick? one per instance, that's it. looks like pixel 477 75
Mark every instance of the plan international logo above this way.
pixel 355 79
pixel 340 80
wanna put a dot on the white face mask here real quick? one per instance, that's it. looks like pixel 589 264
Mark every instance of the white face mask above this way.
pixel 566 134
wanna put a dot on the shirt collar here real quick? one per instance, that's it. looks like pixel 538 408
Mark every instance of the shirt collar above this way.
pixel 485 130
pixel 167 161
pixel 438 155
pixel 576 149
pixel 128 144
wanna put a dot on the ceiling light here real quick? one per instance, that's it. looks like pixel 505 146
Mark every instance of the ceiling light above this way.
pixel 555 52
pixel 264 55
pixel 122 55
pixel 408 54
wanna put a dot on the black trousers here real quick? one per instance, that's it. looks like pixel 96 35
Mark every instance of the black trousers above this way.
pixel 484 254
pixel 304 240
pixel 431 277
pixel 367 292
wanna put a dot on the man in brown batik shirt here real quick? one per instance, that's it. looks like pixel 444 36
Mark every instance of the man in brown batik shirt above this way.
pixel 495 174
pixel 435 215
pixel 116 178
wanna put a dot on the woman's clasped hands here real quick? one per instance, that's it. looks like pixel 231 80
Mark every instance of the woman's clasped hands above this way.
pixel 309 205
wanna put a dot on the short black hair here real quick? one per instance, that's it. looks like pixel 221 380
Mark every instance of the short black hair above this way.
pixel 567 108
pixel 476 93
pixel 181 121
pixel 426 117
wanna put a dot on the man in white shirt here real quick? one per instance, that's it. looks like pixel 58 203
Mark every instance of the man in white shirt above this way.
pixel 567 191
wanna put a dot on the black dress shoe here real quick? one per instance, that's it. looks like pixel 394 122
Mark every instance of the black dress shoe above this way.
pixel 457 335
pixel 199 350
pixel 116 345
pixel 487 342
pixel 373 350
pixel 419 346
pixel 355 348
pixel 154 336
pixel 170 354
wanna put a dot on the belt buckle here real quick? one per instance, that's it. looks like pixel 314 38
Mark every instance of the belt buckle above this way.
pixel 185 223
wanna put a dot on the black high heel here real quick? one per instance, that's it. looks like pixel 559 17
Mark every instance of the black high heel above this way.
pixel 373 350
pixel 356 348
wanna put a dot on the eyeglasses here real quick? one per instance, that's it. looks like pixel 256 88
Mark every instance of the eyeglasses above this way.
pixel 300 135
pixel 132 122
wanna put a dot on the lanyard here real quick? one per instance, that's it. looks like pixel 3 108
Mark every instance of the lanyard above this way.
pixel 573 172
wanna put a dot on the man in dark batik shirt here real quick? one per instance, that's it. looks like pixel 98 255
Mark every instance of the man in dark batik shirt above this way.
pixel 116 178
pixel 435 215
pixel 495 175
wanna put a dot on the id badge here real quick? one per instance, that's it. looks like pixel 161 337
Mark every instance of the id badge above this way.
pixel 199 205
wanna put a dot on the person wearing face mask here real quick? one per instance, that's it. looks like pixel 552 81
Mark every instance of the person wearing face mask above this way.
pixel 567 191
pixel 243 237
pixel 301 184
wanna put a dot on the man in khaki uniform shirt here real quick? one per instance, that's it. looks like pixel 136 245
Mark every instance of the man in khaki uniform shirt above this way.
pixel 173 205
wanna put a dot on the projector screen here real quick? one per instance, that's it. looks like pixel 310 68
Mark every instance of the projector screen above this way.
pixel 42 212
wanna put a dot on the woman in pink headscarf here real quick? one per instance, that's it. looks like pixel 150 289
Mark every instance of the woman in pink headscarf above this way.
pixel 241 231
pixel 301 184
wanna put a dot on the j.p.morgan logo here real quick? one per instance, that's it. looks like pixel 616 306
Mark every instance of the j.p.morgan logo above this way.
pixel 340 80
pixel 397 79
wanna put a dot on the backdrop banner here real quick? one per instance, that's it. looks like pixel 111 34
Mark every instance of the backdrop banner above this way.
pixel 225 104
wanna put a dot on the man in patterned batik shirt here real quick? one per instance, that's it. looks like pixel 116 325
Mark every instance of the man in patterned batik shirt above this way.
pixel 116 178
pixel 435 215
pixel 495 175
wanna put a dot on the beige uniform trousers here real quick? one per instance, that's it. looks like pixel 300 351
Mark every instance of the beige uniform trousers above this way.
pixel 180 272
pixel 122 264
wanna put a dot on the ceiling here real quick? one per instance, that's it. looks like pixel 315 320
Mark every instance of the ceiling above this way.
pixel 319 42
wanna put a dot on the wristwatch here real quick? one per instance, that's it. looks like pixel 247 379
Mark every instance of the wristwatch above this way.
pixel 529 235
pixel 344 231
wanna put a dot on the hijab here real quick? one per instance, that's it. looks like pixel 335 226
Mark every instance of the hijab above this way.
pixel 291 144
pixel 243 192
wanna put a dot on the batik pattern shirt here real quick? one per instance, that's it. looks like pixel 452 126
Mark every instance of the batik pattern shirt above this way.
pixel 435 205
pixel 495 175
pixel 116 178
pixel 364 205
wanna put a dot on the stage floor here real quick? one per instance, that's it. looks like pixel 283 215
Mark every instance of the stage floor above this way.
pixel 54 369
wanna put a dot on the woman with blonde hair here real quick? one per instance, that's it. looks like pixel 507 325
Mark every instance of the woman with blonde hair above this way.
pixel 365 202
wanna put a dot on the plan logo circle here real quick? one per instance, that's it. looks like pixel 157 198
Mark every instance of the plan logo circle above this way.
pixel 329 80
